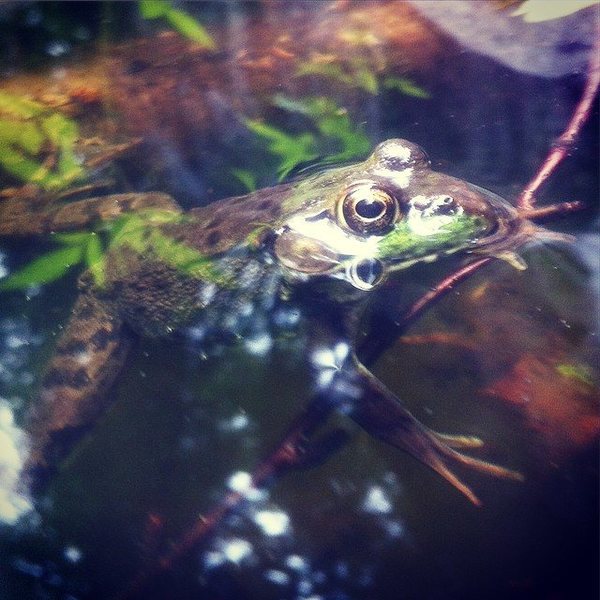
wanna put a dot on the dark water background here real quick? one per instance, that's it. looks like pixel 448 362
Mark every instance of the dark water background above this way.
pixel 370 522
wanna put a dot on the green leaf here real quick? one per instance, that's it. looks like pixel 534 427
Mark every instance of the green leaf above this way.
pixel 405 86
pixel 62 132
pixel 24 134
pixel 188 27
pixel 577 372
pixel 19 107
pixel 360 76
pixel 331 70
pixel 73 238
pixel 367 80
pixel 153 9
pixel 45 269
pixel 21 167
pixel 291 150
pixel 95 259
pixel 247 178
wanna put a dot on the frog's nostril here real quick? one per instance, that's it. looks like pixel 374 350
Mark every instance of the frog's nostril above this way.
pixel 367 273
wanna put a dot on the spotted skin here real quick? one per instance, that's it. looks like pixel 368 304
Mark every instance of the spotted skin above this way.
pixel 73 393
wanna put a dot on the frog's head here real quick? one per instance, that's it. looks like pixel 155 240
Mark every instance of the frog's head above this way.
pixel 362 222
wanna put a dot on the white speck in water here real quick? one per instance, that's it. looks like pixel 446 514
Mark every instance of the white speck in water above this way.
pixel 26 378
pixel 213 559
pixel 246 309
pixel 196 333
pixel 3 267
pixel 296 563
pixel 237 422
pixel 16 341
pixel 395 529
pixel 13 451
pixel 332 358
pixel 259 345
pixel 324 378
pixel 340 352
pixel 207 293
pixel 72 554
pixel 33 291
pixel 57 48
pixel 348 389
pixel 376 501
pixel 286 317
pixel 278 577
pixel 272 522
pixel 305 587
pixel 237 550
pixel 240 481
pixel 341 569
pixel 83 358
pixel 324 358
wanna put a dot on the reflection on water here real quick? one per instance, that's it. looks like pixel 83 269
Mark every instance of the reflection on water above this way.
pixel 511 357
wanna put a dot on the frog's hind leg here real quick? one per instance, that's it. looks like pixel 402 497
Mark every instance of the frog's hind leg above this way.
pixel 380 412
pixel 22 216
pixel 73 395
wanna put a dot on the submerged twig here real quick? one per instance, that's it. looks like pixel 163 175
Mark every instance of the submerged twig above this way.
pixel 564 143
pixel 288 454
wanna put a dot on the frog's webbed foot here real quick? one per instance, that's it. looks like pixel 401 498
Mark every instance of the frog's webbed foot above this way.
pixel 380 412
pixel 442 451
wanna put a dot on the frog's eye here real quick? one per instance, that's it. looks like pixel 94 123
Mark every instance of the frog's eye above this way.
pixel 368 209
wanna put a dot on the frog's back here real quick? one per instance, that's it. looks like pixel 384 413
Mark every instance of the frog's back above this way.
pixel 225 224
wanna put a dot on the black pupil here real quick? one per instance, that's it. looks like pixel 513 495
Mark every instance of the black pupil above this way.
pixel 369 209
pixel 369 271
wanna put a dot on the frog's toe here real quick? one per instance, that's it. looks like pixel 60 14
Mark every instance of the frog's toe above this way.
pixel 483 466
pixel 441 452
pixel 459 441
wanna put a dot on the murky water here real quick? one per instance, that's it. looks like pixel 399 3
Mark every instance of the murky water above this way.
pixel 187 426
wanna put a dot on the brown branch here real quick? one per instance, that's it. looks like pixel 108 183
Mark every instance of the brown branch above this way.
pixel 563 144
pixel 551 211
pixel 440 290
pixel 289 453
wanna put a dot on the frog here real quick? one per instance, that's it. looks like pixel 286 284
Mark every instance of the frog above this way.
pixel 323 243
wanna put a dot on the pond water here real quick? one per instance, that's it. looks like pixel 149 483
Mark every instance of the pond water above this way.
pixel 510 356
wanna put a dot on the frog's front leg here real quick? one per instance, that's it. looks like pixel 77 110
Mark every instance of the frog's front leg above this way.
pixel 73 392
pixel 379 411
pixel 27 216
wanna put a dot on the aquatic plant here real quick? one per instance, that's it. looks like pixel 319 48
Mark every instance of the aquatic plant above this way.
pixel 333 128
pixel 30 135
pixel 76 248
pixel 359 74
pixel 138 232
pixel 178 19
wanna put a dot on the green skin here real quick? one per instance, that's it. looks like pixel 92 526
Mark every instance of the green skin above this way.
pixel 165 269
